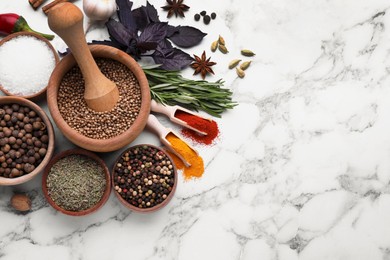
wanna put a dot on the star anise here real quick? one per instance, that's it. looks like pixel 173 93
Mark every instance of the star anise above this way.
pixel 175 7
pixel 202 65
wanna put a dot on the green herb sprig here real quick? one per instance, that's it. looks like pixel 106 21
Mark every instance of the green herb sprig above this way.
pixel 170 88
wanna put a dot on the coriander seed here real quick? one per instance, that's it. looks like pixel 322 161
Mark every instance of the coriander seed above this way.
pixel 100 125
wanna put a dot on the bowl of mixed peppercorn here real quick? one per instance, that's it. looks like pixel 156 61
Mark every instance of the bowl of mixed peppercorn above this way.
pixel 26 140
pixel 144 178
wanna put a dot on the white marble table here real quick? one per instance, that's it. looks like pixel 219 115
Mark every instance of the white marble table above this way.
pixel 301 169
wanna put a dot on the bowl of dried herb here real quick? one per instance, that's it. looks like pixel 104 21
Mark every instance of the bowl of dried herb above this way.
pixel 76 182
pixel 144 178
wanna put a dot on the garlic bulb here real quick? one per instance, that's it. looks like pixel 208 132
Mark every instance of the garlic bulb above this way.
pixel 99 10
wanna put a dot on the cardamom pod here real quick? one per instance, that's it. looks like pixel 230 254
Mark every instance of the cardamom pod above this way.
pixel 247 53
pixel 233 63
pixel 221 40
pixel 223 48
pixel 245 65
pixel 240 72
pixel 214 46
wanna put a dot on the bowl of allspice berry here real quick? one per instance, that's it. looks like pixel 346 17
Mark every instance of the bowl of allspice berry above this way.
pixel 26 140
pixel 144 178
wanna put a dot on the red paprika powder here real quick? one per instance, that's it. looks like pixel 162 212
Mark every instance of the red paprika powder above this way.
pixel 203 125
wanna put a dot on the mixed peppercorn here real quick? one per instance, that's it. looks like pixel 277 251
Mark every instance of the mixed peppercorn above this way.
pixel 144 176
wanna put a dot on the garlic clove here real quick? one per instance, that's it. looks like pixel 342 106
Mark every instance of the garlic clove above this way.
pixel 99 10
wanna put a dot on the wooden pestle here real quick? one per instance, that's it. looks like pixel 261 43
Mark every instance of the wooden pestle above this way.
pixel 66 20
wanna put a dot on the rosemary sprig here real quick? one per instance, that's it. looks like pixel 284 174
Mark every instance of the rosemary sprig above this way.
pixel 170 88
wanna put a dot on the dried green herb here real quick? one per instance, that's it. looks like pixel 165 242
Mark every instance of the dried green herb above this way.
pixel 76 183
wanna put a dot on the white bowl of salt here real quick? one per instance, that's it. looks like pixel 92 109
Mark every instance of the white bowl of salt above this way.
pixel 26 63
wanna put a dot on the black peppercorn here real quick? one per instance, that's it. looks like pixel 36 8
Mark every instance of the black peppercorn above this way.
pixel 197 17
pixel 206 19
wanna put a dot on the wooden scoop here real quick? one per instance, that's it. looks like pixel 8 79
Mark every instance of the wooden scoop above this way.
pixel 66 20
pixel 170 112
pixel 162 132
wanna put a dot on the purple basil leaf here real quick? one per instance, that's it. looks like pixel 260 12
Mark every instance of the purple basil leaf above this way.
pixel 124 14
pixel 133 49
pixel 140 17
pixel 153 32
pixel 174 59
pixel 147 46
pixel 164 46
pixel 152 13
pixel 171 30
pixel 187 36
pixel 118 32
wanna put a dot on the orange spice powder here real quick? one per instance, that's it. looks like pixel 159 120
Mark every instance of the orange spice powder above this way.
pixel 197 166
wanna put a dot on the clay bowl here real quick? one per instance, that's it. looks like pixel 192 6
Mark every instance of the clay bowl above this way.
pixel 99 145
pixel 40 94
pixel 77 151
pixel 156 207
pixel 50 149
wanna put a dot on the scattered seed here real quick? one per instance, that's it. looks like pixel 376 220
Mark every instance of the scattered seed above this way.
pixel 240 72
pixel 233 63
pixel 221 40
pixel 247 53
pixel 197 17
pixel 245 65
pixel 206 19
pixel 214 46
pixel 203 13
pixel 213 15
pixel 223 48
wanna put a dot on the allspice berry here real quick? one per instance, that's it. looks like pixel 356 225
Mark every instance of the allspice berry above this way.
pixel 21 202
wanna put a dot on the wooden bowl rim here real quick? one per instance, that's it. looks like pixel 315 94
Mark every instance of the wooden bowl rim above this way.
pixel 39 37
pixel 50 148
pixel 100 145
pixel 91 155
pixel 158 206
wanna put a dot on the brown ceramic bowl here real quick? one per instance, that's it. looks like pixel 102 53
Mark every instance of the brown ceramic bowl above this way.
pixel 153 208
pixel 100 145
pixel 40 94
pixel 77 151
pixel 50 149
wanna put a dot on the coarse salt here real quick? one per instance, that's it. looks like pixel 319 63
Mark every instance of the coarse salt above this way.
pixel 26 64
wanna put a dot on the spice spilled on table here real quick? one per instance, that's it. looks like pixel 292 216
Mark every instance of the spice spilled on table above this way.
pixel 210 127
pixel 197 166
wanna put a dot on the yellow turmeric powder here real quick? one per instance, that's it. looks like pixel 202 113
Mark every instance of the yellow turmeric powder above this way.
pixel 197 167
